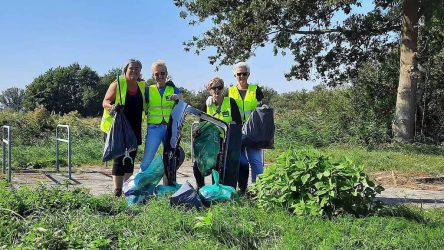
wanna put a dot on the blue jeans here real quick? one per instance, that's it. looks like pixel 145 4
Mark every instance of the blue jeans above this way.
pixel 252 156
pixel 155 134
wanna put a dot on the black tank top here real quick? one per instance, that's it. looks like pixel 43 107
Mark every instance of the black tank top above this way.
pixel 133 112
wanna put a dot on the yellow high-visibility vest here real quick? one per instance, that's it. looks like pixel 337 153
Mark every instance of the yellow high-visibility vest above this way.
pixel 107 119
pixel 224 113
pixel 248 104
pixel 159 108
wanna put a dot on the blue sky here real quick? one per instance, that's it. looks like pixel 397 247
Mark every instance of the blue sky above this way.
pixel 103 34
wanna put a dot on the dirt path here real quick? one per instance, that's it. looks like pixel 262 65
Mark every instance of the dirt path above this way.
pixel 399 187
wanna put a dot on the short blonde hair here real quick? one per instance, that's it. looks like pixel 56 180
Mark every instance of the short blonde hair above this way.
pixel 241 65
pixel 157 64
pixel 214 82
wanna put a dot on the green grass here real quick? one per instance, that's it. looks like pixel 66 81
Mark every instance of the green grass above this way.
pixel 42 155
pixel 390 158
pixel 88 151
pixel 59 219
pixel 406 158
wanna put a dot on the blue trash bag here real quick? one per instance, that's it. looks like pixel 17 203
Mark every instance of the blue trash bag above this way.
pixel 217 192
pixel 144 182
pixel 140 197
pixel 165 190
pixel 135 199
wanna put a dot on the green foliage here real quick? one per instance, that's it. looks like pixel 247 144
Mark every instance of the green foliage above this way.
pixel 30 128
pixel 33 138
pixel 65 89
pixel 60 218
pixel 373 97
pixel 12 98
pixel 307 29
pixel 308 182
pixel 195 98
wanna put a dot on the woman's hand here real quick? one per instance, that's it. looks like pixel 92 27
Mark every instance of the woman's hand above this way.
pixel 210 100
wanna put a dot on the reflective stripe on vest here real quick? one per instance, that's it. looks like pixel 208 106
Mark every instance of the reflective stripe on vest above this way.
pixel 107 120
pixel 159 108
pixel 225 110
pixel 248 104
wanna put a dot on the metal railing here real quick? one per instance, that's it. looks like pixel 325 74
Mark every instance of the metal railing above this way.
pixel 4 142
pixel 69 147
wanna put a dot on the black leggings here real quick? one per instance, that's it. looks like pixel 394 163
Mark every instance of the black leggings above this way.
pixel 120 169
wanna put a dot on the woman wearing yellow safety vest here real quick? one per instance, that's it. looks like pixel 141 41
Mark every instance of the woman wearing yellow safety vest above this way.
pixel 223 108
pixel 129 97
pixel 247 97
pixel 160 98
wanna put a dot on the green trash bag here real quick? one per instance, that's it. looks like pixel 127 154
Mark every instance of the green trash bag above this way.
pixel 165 190
pixel 217 192
pixel 144 182
pixel 206 147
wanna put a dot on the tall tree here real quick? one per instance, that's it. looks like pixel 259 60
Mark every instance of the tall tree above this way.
pixel 328 36
pixel 63 89
pixel 404 122
pixel 12 98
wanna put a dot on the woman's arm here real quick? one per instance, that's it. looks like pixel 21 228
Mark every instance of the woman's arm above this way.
pixel 110 96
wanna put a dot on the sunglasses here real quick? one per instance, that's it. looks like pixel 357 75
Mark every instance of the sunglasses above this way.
pixel 242 74
pixel 220 87
pixel 160 74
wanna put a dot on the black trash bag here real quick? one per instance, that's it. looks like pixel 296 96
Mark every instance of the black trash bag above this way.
pixel 258 130
pixel 120 140
pixel 187 197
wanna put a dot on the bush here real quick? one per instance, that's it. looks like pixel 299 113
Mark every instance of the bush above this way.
pixel 307 182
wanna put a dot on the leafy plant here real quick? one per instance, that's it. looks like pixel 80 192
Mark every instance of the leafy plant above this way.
pixel 204 221
pixel 308 182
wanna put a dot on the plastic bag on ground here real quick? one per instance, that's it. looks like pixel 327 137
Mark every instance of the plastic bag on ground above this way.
pixel 165 190
pixel 187 197
pixel 120 139
pixel 206 147
pixel 217 192
pixel 258 130
pixel 144 182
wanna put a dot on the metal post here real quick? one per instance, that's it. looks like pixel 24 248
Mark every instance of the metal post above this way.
pixel 57 148
pixel 3 154
pixel 69 148
pixel 9 156
pixel 69 153
pixel 6 141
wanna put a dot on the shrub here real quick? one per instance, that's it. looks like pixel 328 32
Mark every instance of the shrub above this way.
pixel 307 182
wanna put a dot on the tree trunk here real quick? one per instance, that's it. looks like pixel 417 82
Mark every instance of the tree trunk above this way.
pixel 404 121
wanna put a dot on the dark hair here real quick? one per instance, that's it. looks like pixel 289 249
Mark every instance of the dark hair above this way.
pixel 125 68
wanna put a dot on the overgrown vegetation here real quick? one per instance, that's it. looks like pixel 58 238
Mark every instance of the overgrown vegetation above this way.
pixel 308 182
pixel 57 218
pixel 331 128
